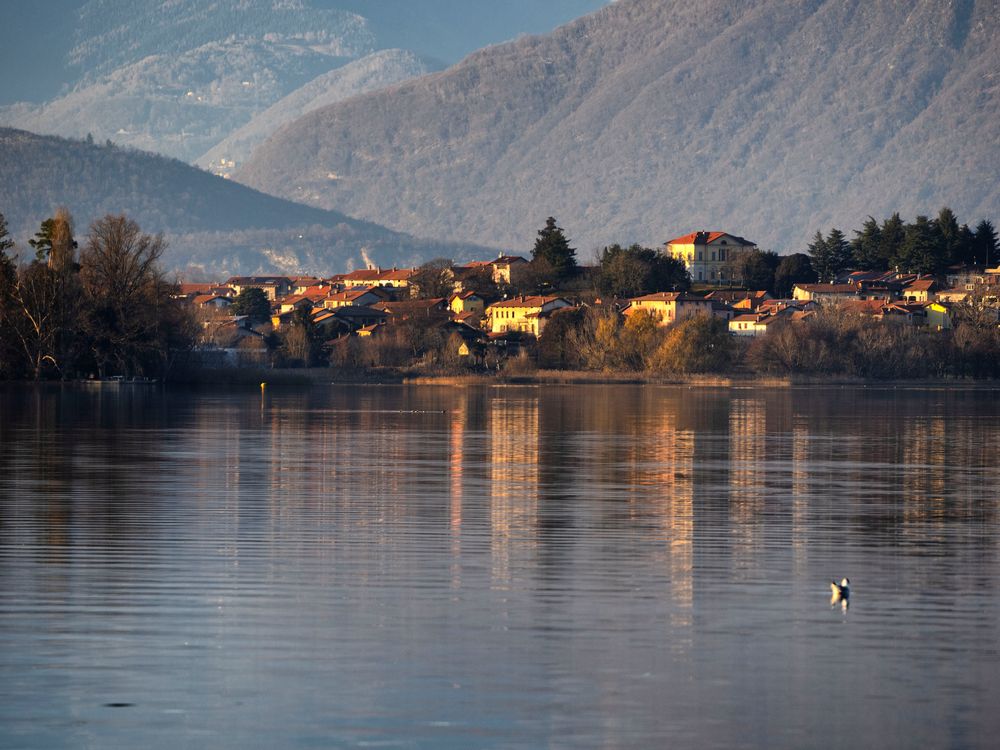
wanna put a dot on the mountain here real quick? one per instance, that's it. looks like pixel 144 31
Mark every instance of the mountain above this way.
pixel 214 226
pixel 369 73
pixel 652 118
pixel 179 77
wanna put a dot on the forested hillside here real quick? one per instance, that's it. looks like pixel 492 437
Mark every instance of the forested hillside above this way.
pixel 211 223
pixel 652 118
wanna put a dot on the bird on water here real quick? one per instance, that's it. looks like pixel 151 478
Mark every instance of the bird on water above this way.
pixel 841 590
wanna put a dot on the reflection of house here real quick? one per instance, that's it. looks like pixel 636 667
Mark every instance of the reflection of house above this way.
pixel 526 314
pixel 709 256
pixel 671 306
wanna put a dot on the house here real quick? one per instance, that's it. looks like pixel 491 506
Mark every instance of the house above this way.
pixel 362 297
pixel 296 301
pixel 357 317
pixel 824 292
pixel 394 278
pixel 415 309
pixel 740 299
pixel 274 287
pixel 671 306
pixel 205 301
pixel 710 256
pixel 752 324
pixel 525 314
pixel 920 290
pixel 468 305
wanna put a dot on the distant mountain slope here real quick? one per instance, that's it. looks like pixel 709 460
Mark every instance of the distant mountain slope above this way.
pixel 654 117
pixel 369 73
pixel 182 104
pixel 111 34
pixel 211 223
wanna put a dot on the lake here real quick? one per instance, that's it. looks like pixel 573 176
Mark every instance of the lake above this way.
pixel 499 567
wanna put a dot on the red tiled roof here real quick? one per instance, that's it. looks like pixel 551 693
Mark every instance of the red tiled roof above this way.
pixel 532 301
pixel 703 238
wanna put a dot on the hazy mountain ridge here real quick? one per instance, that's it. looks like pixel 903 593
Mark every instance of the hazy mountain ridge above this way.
pixel 111 34
pixel 368 73
pixel 211 223
pixel 652 117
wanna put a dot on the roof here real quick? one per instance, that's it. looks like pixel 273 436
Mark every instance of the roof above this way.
pixel 703 238
pixel 671 297
pixel 921 285
pixel 203 299
pixel 828 288
pixel 530 301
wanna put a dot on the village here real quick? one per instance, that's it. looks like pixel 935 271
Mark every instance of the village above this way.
pixel 487 314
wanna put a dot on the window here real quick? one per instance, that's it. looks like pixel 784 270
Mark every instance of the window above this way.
pixel 713 255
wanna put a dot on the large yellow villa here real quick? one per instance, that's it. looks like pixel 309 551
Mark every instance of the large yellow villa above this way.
pixel 710 256
pixel 670 306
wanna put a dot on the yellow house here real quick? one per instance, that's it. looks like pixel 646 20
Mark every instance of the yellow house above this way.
pixel 671 306
pixel 710 256
pixel 467 302
pixel 527 314
pixel 938 316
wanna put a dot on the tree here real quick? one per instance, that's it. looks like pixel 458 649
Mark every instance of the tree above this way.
pixel 301 339
pixel 553 247
pixel 949 237
pixel 698 344
pixel 434 279
pixel 628 272
pixel 253 303
pixel 866 247
pixel 891 239
pixel 986 243
pixel 793 269
pixel 45 300
pixel 53 242
pixel 921 249
pixel 8 280
pixel 830 255
pixel 757 269
pixel 133 323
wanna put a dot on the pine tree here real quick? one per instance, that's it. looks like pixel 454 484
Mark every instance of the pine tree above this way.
pixel 553 248
pixel 948 231
pixel 830 255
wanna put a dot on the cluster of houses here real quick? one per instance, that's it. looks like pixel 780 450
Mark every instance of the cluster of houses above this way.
pixel 362 302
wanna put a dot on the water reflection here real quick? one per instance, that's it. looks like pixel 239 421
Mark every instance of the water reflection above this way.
pixel 589 566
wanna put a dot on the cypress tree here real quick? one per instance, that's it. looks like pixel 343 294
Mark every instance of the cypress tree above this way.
pixel 553 247
pixel 892 235
pixel 986 243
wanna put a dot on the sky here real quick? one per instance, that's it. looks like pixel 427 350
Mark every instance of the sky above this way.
pixel 34 35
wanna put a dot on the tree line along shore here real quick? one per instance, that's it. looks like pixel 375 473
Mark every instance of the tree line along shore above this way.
pixel 900 300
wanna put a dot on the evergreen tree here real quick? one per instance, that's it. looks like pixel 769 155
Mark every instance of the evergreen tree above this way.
pixel 793 269
pixel 8 279
pixel 866 247
pixel 757 269
pixel 966 245
pixel 948 235
pixel 553 247
pixel 892 235
pixel 830 255
pixel 253 303
pixel 986 243
pixel 921 249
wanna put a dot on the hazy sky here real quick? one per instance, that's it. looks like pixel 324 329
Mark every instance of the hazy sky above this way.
pixel 34 36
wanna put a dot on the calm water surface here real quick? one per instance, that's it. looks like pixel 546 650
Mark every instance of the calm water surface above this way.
pixel 499 567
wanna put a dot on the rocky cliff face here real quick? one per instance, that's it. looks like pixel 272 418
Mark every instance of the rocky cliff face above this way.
pixel 653 117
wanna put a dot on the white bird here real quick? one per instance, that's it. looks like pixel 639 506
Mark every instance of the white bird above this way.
pixel 841 590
